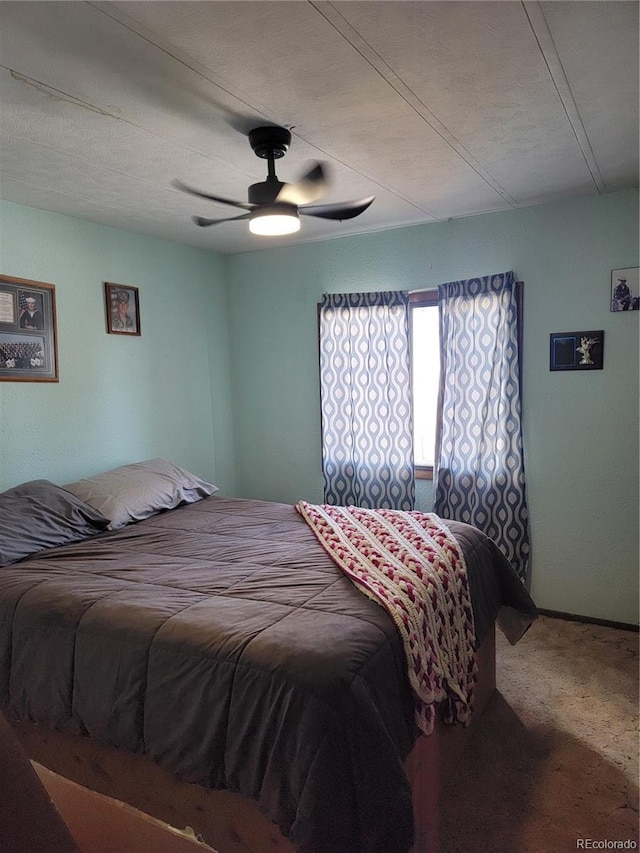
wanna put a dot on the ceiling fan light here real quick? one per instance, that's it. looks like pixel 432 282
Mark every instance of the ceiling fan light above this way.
pixel 274 220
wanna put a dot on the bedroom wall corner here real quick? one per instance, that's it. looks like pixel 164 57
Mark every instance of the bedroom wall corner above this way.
pixel 580 428
pixel 119 399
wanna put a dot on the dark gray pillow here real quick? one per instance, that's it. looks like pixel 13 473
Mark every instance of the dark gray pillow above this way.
pixel 39 514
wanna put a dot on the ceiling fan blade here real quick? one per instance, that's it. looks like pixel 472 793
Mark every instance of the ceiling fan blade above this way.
pixel 311 186
pixel 200 220
pixel 244 205
pixel 346 210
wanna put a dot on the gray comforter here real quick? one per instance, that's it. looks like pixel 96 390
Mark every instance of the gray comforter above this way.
pixel 220 640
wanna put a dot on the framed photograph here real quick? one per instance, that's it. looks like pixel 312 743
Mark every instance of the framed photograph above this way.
pixel 577 350
pixel 28 343
pixel 123 309
pixel 625 293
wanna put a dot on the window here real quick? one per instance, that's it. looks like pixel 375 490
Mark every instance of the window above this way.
pixel 425 359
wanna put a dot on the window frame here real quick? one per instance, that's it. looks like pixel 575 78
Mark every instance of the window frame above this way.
pixel 421 299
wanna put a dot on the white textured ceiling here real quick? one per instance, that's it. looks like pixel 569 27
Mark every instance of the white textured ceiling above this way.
pixel 439 109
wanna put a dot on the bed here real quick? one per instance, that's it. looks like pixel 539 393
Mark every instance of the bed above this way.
pixel 213 666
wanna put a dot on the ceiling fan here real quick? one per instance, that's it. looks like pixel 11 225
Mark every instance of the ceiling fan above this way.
pixel 274 207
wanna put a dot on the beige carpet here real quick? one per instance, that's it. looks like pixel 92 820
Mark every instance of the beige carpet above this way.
pixel 555 758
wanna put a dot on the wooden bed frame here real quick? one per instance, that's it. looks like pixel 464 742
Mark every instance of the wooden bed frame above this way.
pixel 231 823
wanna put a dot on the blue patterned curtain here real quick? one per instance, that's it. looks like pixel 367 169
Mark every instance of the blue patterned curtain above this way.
pixel 479 457
pixel 367 420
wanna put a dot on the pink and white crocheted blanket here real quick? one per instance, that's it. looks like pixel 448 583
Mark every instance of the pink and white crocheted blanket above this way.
pixel 410 563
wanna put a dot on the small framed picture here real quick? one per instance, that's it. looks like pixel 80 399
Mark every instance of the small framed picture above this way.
pixel 625 294
pixel 28 347
pixel 123 309
pixel 576 350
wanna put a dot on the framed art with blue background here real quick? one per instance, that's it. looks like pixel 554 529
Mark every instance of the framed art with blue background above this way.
pixel 576 350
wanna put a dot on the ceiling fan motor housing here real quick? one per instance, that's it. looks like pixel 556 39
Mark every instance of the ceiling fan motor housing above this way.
pixel 265 192
pixel 277 208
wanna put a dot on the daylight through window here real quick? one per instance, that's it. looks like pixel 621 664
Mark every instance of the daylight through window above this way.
pixel 425 342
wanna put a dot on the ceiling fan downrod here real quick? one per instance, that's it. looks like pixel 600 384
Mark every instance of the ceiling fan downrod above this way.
pixel 269 143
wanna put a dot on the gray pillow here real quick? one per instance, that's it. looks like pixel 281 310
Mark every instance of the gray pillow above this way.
pixel 39 514
pixel 137 491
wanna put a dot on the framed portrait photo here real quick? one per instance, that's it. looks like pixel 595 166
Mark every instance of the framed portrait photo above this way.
pixel 122 309
pixel 625 293
pixel 28 343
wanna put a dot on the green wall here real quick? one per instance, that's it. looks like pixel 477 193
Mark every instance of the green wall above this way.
pixel 224 379
pixel 580 429
pixel 119 399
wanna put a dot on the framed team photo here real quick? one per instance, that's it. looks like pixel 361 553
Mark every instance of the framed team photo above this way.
pixel 28 343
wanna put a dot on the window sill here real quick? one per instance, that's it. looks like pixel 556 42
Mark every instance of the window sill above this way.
pixel 423 472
